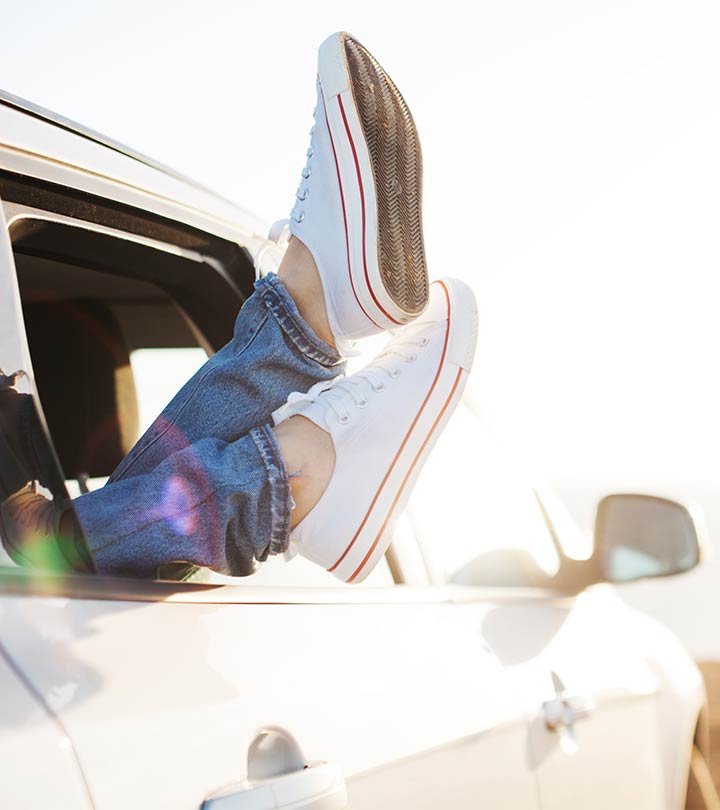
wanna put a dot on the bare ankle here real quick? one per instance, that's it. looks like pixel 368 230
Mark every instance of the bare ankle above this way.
pixel 309 456
pixel 302 280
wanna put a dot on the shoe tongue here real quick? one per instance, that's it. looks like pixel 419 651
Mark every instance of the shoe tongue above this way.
pixel 280 232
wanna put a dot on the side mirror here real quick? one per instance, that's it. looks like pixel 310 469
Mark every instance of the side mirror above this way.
pixel 639 536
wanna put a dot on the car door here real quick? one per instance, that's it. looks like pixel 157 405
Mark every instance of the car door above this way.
pixel 163 686
pixel 162 699
pixel 578 664
pixel 591 698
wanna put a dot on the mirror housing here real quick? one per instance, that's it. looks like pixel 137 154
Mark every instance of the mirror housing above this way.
pixel 640 536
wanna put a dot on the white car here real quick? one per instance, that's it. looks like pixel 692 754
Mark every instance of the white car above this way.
pixel 479 666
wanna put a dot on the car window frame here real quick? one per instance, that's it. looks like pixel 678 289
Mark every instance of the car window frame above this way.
pixel 100 586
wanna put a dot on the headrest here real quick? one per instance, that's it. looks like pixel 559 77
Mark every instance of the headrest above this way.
pixel 82 370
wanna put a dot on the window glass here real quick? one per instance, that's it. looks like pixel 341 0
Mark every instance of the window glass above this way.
pixel 477 520
pixel 159 374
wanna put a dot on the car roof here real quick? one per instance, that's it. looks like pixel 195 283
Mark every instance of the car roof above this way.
pixel 36 111
pixel 30 128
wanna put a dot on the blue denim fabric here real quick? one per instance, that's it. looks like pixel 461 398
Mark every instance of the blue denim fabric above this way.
pixel 206 483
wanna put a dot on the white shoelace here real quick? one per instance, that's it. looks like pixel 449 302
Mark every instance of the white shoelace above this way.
pixel 280 230
pixel 303 189
pixel 344 394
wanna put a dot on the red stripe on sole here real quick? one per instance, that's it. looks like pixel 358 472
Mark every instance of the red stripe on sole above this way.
pixel 342 199
pixel 405 480
pixel 407 435
pixel 362 201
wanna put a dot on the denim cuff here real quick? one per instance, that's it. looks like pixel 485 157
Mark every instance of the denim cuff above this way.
pixel 279 488
pixel 280 303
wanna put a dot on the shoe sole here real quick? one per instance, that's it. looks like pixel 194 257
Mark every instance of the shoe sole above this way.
pixel 379 163
pixel 375 532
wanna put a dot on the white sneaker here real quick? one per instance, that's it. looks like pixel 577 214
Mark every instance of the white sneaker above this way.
pixel 358 207
pixel 384 420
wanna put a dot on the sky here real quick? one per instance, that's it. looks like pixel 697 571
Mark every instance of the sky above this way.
pixel 572 177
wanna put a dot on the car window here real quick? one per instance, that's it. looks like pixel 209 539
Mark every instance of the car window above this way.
pixel 159 374
pixel 109 351
pixel 477 520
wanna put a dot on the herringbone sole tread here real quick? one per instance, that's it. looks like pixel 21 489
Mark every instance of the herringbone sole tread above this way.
pixel 394 147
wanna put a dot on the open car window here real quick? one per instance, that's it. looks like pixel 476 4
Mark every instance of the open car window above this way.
pixel 113 334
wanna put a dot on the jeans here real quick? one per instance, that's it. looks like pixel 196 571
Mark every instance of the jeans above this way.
pixel 206 484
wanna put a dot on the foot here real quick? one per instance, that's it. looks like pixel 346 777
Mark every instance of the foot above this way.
pixel 309 458
pixel 383 421
pixel 358 207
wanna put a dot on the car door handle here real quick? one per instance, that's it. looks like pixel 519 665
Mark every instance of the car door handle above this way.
pixel 318 786
pixel 565 709
pixel 562 712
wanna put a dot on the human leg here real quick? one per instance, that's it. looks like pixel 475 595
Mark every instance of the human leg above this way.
pixel 221 505
pixel 273 351
pixel 383 422
pixel 354 266
pixel 360 224
pixel 347 453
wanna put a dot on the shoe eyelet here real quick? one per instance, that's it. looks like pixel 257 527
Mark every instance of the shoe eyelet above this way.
pixel 424 341
pixel 302 195
pixel 395 373
pixel 378 388
pixel 306 172
pixel 362 404
pixel 300 217
pixel 310 152
pixel 343 418
pixel 312 128
pixel 410 358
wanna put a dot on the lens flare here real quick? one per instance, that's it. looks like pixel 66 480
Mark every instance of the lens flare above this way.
pixel 176 505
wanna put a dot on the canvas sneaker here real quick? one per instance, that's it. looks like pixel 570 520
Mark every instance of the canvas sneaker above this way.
pixel 358 206
pixel 384 420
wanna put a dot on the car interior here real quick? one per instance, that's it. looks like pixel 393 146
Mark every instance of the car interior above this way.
pixel 82 327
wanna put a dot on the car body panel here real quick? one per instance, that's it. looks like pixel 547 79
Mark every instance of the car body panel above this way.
pixel 33 148
pixel 14 352
pixel 161 699
pixel 39 768
pixel 631 671
pixel 615 758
